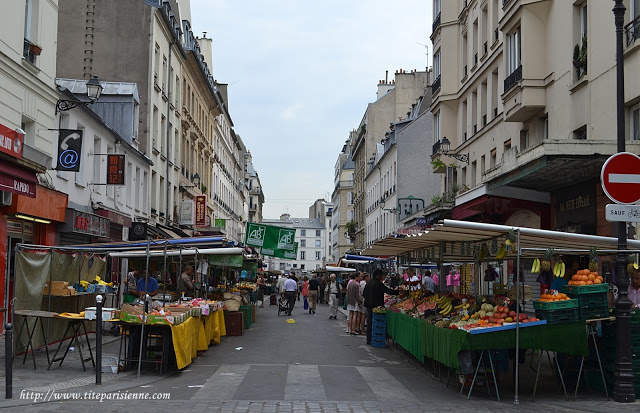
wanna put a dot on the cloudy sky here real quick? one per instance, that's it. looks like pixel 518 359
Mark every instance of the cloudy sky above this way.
pixel 300 76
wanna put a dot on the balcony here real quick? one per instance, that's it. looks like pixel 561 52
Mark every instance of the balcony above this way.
pixel 632 31
pixel 505 2
pixel 523 98
pixel 436 149
pixel 255 191
pixel 513 78
pixel 435 86
pixel 436 23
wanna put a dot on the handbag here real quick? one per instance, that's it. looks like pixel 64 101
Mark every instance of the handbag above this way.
pixel 306 304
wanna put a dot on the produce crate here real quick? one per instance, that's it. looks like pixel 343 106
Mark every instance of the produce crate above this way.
pixel 525 292
pixel 246 310
pixel 563 315
pixel 555 305
pixel 378 342
pixel 500 289
pixel 585 289
pixel 379 317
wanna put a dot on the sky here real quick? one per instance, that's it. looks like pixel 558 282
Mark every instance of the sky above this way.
pixel 300 76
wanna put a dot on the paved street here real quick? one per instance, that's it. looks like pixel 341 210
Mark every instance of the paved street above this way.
pixel 311 365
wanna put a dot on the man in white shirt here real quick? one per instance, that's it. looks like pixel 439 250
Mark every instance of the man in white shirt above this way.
pixel 280 285
pixel 290 291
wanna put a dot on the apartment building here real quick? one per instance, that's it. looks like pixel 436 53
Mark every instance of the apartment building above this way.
pixel 256 196
pixel 395 99
pixel 29 207
pixel 310 236
pixel 524 94
pixel 342 199
pixel 323 211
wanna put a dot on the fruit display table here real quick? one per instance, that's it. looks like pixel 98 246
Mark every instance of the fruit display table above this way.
pixel 423 339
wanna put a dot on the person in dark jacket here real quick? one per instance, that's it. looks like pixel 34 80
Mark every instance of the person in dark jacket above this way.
pixel 374 297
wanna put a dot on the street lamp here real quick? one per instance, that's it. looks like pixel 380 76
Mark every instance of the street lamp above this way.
pixel 195 180
pixel 94 90
pixel 445 146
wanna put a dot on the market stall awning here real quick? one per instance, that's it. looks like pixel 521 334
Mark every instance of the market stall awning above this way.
pixel 339 269
pixel 458 238
pixel 183 252
pixel 200 242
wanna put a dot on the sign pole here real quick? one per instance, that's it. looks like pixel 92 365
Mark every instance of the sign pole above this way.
pixel 623 391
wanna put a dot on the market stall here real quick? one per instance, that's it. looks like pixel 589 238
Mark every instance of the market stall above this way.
pixel 459 318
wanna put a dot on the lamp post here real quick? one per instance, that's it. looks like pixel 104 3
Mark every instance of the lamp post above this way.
pixel 623 390
pixel 445 146
pixel 94 90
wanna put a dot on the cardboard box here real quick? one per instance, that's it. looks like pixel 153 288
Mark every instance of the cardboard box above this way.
pixel 58 288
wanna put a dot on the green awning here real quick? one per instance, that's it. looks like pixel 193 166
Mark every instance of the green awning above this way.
pixel 226 260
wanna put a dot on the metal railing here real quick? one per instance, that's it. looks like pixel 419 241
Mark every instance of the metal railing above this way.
pixel 435 86
pixel 632 30
pixel 513 78
pixel 27 53
pixel 436 23
pixel 436 149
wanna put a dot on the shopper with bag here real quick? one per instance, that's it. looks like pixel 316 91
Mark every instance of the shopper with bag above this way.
pixel 314 286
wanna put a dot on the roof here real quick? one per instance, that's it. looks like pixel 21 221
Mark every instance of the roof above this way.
pixel 79 87
pixel 301 223
pixel 459 238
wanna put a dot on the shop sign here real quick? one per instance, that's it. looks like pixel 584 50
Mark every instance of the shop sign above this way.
pixel 14 225
pixel 201 210
pixel 278 253
pixel 11 142
pixel 226 260
pixel 220 223
pixel 17 186
pixel 69 150
pixel 270 237
pixel 27 228
pixel 186 212
pixel 115 169
pixel 576 205
pixel 90 224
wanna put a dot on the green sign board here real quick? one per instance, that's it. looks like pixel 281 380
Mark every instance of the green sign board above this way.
pixel 226 260
pixel 270 238
pixel 220 223
pixel 288 255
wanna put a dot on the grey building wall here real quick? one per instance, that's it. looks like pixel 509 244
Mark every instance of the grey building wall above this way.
pixel 415 173
pixel 114 45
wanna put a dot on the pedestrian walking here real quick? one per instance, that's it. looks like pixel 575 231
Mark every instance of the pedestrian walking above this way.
pixel 333 293
pixel 374 297
pixel 314 286
pixel 262 287
pixel 185 283
pixel 130 292
pixel 323 286
pixel 353 299
pixel 305 292
pixel 290 291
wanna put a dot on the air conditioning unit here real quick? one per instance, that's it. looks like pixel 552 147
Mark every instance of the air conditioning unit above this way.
pixel 5 198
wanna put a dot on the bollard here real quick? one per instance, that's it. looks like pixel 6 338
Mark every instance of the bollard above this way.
pixel 99 339
pixel 8 362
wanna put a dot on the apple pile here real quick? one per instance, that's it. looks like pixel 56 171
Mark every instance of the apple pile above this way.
pixel 502 314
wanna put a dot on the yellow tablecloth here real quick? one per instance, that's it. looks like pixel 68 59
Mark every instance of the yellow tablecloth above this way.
pixel 223 329
pixel 185 341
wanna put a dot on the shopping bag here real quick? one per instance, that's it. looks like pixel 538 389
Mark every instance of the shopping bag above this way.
pixel 306 303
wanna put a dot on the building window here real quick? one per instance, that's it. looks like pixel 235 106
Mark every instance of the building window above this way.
pixel 303 232
pixel 437 57
pixel 580 133
pixel 318 243
pixel 303 243
pixel 635 122
pixel 513 51
pixel 303 255
pixel 493 158
pixel 436 128
pixel 317 255
pixel 318 234
pixel 349 198
pixel 524 139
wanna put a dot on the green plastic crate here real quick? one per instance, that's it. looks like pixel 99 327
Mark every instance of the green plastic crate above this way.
pixel 555 305
pixel 585 289
pixel 246 309
pixel 563 315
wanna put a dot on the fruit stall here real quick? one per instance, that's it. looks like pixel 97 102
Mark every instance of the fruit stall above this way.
pixel 565 318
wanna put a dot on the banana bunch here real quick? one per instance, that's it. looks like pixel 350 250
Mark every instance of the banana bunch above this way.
pixel 559 269
pixel 433 298
pixel 447 309
pixel 502 252
pixel 535 268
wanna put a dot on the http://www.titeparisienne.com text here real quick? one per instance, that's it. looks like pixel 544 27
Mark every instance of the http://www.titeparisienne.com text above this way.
pixel 54 396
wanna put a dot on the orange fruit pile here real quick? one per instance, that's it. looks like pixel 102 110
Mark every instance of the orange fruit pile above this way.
pixel 545 298
pixel 586 277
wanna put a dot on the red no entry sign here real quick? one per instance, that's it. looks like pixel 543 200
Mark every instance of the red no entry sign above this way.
pixel 620 178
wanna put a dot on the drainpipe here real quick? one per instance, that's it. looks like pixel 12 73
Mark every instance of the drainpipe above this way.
pixel 166 214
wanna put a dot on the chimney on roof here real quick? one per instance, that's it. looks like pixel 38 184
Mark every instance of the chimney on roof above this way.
pixel 386 77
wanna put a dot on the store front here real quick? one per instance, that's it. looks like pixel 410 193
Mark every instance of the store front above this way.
pixel 498 210
pixel 26 219
pixel 119 224
pixel 83 228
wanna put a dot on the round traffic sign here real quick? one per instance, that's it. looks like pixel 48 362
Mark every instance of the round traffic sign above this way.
pixel 620 178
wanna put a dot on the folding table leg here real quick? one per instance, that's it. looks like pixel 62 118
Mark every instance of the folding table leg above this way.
pixel 86 337
pixel 30 332
pixel 595 346
pixel 575 394
pixel 493 372
pixel 44 335
pixel 564 388
pixel 535 385
pixel 54 359
pixel 475 374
